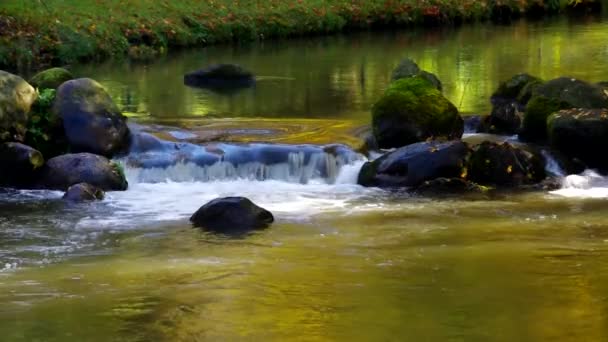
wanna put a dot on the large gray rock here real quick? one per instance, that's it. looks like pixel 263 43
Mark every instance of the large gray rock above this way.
pixel 91 120
pixel 18 164
pixel 16 99
pixel 231 215
pixel 62 172
pixel 412 165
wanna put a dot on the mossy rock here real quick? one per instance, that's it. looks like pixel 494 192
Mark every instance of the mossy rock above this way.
pixel 16 99
pixel 581 134
pixel 527 91
pixel 83 192
pixel 450 186
pixel 557 94
pixel 51 78
pixel 408 68
pixel 512 87
pixel 504 165
pixel 412 110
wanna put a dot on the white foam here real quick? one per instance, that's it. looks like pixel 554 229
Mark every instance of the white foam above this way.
pixel 589 184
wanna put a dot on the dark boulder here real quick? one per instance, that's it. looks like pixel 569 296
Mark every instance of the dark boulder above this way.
pixel 61 172
pixel 412 110
pixel 231 215
pixel 18 164
pixel 557 94
pixel 581 134
pixel 83 192
pixel 220 76
pixel 415 164
pixel 508 103
pixel 91 120
pixel 512 88
pixel 408 68
pixel 51 78
pixel 16 99
pixel 504 165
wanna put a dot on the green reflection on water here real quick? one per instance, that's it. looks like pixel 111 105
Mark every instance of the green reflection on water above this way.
pixel 341 76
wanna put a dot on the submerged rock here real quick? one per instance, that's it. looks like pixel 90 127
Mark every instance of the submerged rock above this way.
pixel 412 110
pixel 557 94
pixel 16 99
pixel 581 134
pixel 415 164
pixel 504 165
pixel 408 68
pixel 231 215
pixel 83 192
pixel 91 120
pixel 61 172
pixel 220 76
pixel 18 164
pixel 51 78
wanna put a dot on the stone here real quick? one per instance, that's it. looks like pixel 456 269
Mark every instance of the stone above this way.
pixel 16 99
pixel 412 110
pixel 231 215
pixel 91 120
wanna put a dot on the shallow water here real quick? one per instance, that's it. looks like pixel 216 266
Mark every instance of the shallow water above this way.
pixel 341 262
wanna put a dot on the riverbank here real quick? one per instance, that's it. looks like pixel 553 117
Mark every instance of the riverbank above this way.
pixel 58 32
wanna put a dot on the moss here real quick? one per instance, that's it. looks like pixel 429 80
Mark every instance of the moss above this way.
pixel 527 91
pixel 51 78
pixel 412 110
pixel 535 119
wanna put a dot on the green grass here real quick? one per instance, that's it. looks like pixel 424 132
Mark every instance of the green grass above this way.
pixel 50 32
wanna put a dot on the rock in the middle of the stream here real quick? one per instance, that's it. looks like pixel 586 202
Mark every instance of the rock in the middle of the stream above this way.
pixel 413 110
pixel 412 165
pixel 232 215
pixel 83 192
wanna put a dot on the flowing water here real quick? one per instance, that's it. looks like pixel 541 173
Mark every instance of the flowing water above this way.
pixel 341 262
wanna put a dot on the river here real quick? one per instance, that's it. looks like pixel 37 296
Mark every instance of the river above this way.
pixel 341 262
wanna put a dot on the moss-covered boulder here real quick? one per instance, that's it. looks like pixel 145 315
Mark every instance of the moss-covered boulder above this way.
pixel 51 78
pixel 581 134
pixel 62 172
pixel 18 164
pixel 557 94
pixel 508 103
pixel 408 68
pixel 412 110
pixel 91 120
pixel 412 165
pixel 504 165
pixel 16 99
pixel 44 128
pixel 83 192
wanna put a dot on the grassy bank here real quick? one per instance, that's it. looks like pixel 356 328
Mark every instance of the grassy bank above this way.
pixel 49 32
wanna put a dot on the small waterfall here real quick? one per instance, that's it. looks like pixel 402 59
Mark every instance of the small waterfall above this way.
pixel 552 166
pixel 155 161
pixel 588 184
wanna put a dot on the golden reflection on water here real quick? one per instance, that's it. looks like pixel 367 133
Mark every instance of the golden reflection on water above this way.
pixel 524 268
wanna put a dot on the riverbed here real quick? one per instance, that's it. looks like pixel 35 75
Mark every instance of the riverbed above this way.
pixel 341 262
